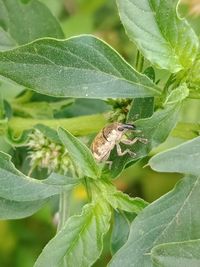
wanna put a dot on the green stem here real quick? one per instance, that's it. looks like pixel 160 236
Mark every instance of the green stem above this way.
pixel 168 83
pixel 63 209
pixel 141 63
pixel 88 190
pixel 2 113
pixel 78 126
pixel 137 60
pixel 63 215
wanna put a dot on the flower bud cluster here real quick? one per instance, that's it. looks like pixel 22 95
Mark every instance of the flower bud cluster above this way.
pixel 44 153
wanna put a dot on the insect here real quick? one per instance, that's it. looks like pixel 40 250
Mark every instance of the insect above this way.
pixel 111 136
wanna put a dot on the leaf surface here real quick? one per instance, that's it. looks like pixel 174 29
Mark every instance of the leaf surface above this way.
pixel 177 254
pixel 10 209
pixel 80 240
pixel 164 39
pixel 183 158
pixel 172 218
pixel 122 201
pixel 18 187
pixel 80 67
pixel 80 154
pixel 120 231
pixel 25 22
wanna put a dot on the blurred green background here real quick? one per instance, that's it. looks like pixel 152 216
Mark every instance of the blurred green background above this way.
pixel 21 241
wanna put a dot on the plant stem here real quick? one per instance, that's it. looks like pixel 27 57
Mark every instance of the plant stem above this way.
pixel 137 60
pixel 63 209
pixel 88 189
pixel 63 215
pixel 80 126
pixel 168 83
pixel 139 64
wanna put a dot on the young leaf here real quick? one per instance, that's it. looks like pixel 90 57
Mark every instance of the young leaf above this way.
pixel 80 154
pixel 80 240
pixel 177 95
pixel 25 22
pixel 119 200
pixel 80 67
pixel 10 209
pixel 193 79
pixel 50 133
pixel 177 254
pixel 18 187
pixel 20 140
pixel 183 158
pixel 165 40
pixel 165 220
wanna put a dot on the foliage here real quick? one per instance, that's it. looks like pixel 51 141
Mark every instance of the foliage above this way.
pixel 70 89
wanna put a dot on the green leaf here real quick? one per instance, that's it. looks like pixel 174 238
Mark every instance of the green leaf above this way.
pixel 38 110
pixel 6 41
pixel 18 187
pixel 120 231
pixel 186 130
pixel 80 240
pixel 10 209
pixel 122 201
pixel 48 132
pixel 82 66
pixel 183 158
pixel 177 95
pixel 117 199
pixel 80 154
pixel 141 108
pixel 61 180
pixel 164 39
pixel 177 254
pixel 193 79
pixel 19 140
pixel 25 22
pixel 172 218
pixel 150 72
pixel 84 106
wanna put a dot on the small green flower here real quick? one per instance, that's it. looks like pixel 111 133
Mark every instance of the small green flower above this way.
pixel 45 154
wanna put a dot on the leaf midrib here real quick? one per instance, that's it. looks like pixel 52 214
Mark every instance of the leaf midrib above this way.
pixel 178 212
pixel 153 89
pixel 84 226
